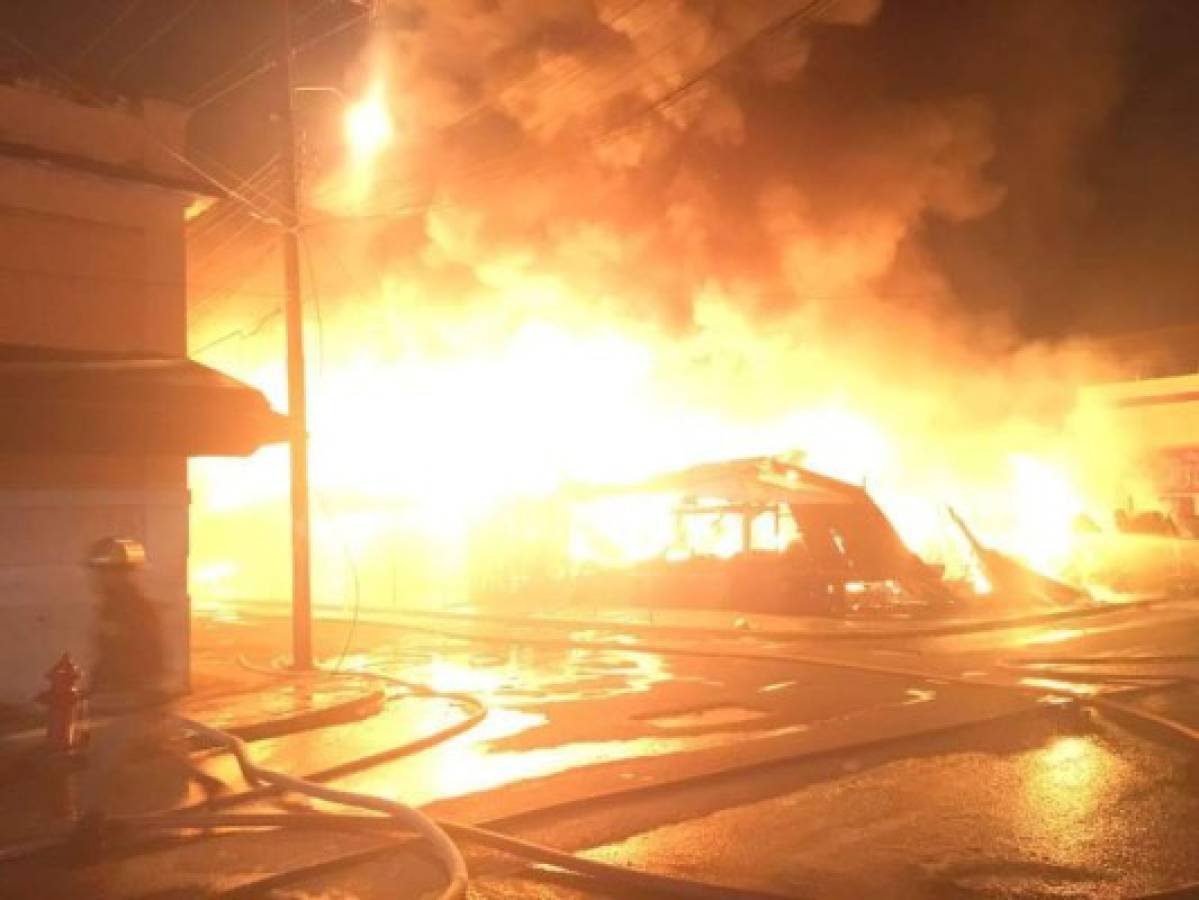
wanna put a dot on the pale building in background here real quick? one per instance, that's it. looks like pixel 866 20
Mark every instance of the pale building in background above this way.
pixel 91 258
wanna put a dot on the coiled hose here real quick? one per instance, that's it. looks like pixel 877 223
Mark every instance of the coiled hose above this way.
pixel 437 833
pixel 402 815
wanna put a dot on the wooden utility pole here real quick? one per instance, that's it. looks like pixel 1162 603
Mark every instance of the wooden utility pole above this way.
pixel 297 405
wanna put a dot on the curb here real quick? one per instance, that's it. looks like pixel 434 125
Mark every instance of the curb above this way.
pixel 22 749
pixel 396 617
pixel 366 704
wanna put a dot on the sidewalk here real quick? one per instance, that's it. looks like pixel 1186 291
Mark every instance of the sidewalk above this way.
pixel 43 786
pixel 250 704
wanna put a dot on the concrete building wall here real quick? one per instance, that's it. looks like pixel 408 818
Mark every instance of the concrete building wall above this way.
pixel 1164 415
pixel 88 262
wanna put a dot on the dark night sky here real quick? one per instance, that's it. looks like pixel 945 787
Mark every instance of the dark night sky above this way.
pixel 1095 106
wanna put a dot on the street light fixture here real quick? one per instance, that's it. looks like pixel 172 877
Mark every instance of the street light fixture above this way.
pixel 367 122
pixel 368 125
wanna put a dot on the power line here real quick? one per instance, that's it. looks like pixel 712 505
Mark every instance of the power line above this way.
pixel 241 333
pixel 504 164
pixel 233 284
pixel 260 49
pixel 261 180
pixel 559 85
pixel 76 85
pixel 102 34
pixel 212 90
pixel 167 27
pixel 209 253
pixel 815 7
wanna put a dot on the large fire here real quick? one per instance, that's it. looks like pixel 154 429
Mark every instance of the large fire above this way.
pixel 412 449
pixel 593 305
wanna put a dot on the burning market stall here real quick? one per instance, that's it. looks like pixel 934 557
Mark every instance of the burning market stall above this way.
pixel 755 535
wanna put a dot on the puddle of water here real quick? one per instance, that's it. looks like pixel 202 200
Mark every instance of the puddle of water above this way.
pixel 1053 684
pixel 919 695
pixel 1054 636
pixel 464 765
pixel 707 717
pixel 777 686
pixel 544 676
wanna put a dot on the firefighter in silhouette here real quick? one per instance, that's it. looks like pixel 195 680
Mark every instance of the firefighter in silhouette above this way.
pixel 127 682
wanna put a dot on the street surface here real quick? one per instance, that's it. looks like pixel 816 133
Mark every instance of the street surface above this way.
pixel 739 759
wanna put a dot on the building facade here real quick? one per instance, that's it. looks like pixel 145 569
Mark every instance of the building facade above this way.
pixel 1164 413
pixel 92 205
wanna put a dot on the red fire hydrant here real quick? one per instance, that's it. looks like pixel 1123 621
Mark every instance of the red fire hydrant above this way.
pixel 64 705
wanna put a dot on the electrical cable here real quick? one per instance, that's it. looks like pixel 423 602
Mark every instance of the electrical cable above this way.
pixel 812 8
pixel 166 28
pixel 261 179
pixel 209 92
pixel 352 564
pixel 243 270
pixel 558 84
pixel 509 163
pixel 193 166
pixel 102 33
pixel 240 266
pixel 240 333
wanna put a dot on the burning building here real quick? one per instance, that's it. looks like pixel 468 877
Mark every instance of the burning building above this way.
pixel 98 408
pixel 754 535
pixel 628 239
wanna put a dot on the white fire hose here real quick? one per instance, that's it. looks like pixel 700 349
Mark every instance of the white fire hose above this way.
pixel 422 826
pixel 404 816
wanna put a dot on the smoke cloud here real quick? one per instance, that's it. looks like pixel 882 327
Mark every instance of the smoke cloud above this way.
pixel 761 198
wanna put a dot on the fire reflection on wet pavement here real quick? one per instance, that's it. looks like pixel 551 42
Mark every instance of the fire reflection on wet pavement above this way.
pixel 538 724
pixel 1078 815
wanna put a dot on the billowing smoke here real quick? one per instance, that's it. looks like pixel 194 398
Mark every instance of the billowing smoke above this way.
pixel 712 226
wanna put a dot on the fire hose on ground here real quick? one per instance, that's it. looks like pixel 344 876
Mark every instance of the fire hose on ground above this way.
pixel 1113 707
pixel 1159 724
pixel 436 833
pixel 403 816
pixel 400 818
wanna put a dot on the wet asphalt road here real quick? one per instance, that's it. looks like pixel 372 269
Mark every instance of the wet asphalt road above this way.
pixel 838 783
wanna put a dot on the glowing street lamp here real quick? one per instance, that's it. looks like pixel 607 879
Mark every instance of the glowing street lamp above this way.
pixel 368 125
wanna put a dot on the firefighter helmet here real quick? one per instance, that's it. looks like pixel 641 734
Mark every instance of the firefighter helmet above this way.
pixel 116 553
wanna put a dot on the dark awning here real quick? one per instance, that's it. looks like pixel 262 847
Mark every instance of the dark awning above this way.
pixel 69 401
